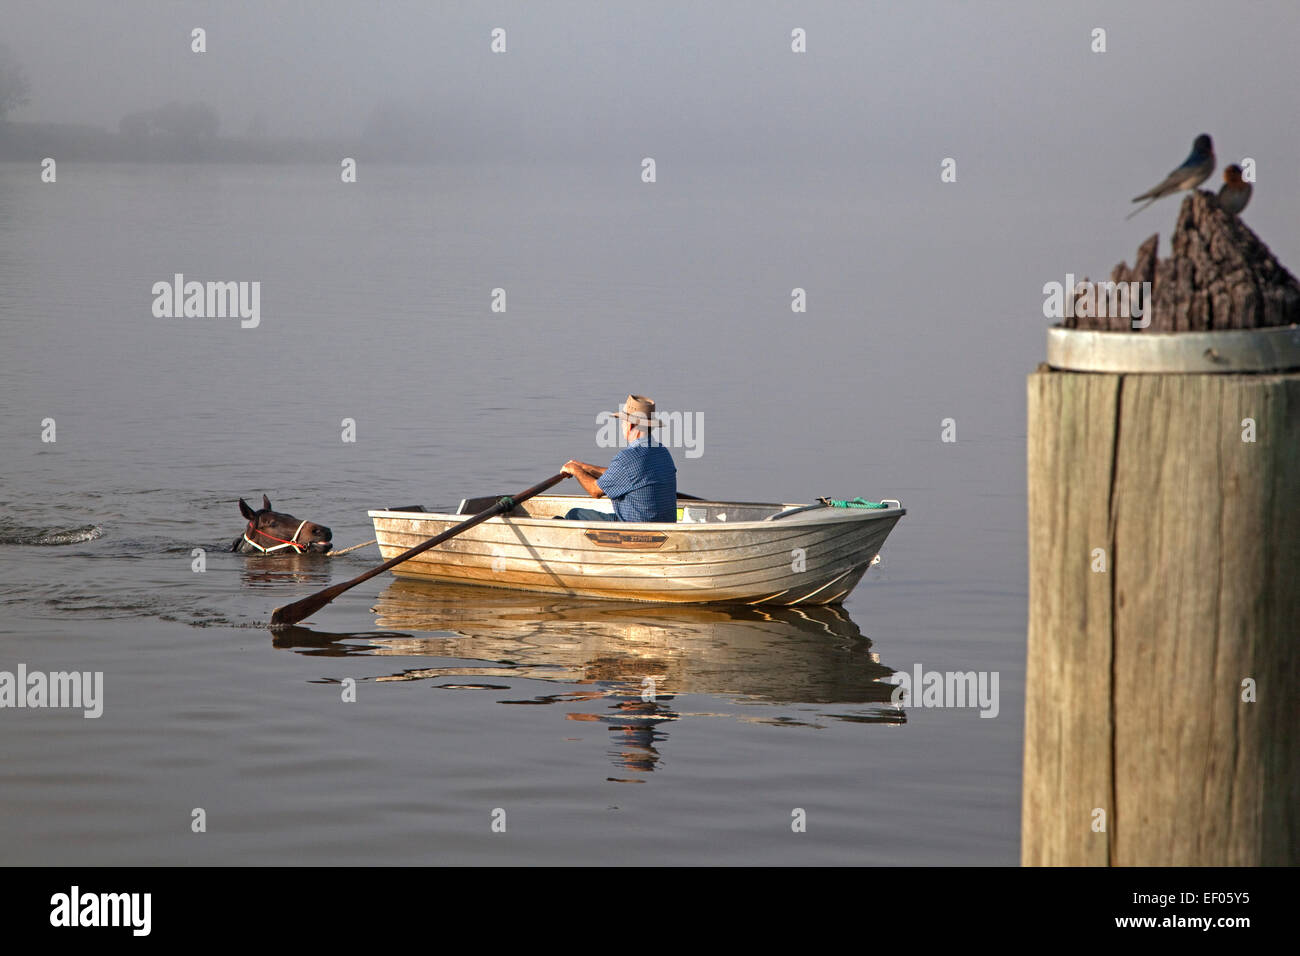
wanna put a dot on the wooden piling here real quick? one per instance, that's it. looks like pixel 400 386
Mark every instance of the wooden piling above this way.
pixel 1163 677
pixel 1134 681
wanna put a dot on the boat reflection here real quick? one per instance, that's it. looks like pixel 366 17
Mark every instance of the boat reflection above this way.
pixel 788 666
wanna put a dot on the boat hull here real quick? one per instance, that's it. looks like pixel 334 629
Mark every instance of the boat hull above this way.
pixel 815 557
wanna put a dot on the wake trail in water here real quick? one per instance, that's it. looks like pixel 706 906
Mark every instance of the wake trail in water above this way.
pixel 25 535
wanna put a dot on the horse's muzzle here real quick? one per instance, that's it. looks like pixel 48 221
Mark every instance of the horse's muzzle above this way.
pixel 322 539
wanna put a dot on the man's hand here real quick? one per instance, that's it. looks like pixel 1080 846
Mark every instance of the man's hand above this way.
pixel 586 475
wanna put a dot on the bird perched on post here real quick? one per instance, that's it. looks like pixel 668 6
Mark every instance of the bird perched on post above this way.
pixel 1195 170
pixel 1235 192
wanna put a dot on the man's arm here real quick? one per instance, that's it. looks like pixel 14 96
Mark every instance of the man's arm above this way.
pixel 586 475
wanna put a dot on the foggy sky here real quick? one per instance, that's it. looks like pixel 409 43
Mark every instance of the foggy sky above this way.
pixel 1004 86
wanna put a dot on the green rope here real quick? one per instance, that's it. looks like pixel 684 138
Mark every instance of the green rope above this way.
pixel 854 503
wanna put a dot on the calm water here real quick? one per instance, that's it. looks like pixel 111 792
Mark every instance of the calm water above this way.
pixel 375 307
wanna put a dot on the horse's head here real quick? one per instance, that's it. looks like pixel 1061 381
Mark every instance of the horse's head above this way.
pixel 270 532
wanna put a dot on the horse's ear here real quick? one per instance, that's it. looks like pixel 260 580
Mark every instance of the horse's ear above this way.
pixel 266 503
pixel 246 511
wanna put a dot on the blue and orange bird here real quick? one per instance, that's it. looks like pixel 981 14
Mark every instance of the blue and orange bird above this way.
pixel 1235 192
pixel 1195 170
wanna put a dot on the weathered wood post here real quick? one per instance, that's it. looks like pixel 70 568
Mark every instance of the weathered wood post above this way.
pixel 1163 679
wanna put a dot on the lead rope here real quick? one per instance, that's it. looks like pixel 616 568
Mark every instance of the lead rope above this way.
pixel 335 554
pixel 507 502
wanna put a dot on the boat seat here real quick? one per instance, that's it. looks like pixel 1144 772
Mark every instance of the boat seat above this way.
pixel 472 506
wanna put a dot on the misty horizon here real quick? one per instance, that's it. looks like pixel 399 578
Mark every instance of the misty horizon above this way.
pixel 582 82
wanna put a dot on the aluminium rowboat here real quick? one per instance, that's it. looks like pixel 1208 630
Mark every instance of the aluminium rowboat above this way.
pixel 718 552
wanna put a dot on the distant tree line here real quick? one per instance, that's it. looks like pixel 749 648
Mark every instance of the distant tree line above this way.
pixel 15 90
pixel 187 121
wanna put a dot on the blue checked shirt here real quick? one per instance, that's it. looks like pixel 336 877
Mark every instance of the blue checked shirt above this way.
pixel 641 481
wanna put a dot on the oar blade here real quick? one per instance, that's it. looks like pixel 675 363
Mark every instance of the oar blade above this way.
pixel 298 611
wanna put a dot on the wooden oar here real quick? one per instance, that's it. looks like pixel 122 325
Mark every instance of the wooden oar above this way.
pixel 301 610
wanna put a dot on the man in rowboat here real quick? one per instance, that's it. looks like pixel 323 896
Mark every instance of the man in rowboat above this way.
pixel 641 481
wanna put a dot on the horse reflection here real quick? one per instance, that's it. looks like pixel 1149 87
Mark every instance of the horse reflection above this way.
pixel 269 571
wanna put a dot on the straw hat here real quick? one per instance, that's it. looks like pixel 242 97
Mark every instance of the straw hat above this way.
pixel 640 411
